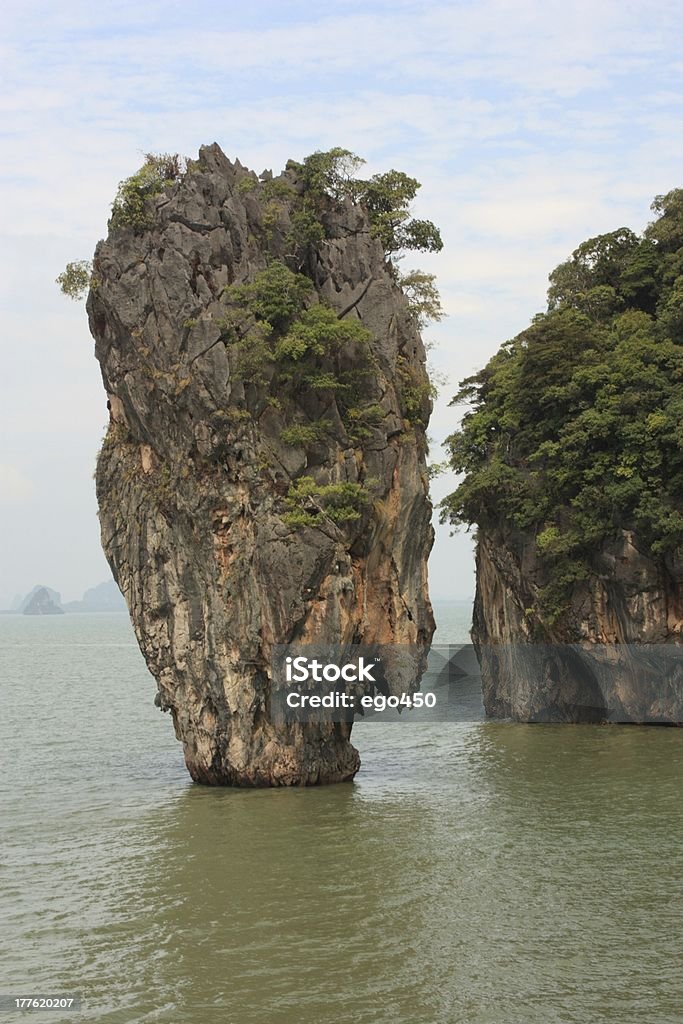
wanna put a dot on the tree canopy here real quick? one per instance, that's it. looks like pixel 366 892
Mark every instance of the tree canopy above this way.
pixel 75 279
pixel 386 197
pixel 129 208
pixel 575 430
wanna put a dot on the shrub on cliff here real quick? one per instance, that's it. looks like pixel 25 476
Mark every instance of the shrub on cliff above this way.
pixel 75 279
pixel 308 503
pixel 130 208
pixel 575 430
pixel 283 339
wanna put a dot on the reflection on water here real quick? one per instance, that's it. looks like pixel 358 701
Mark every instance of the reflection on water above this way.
pixel 482 873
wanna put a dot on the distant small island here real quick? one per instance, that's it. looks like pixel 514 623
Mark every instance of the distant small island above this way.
pixel 105 597
pixel 42 600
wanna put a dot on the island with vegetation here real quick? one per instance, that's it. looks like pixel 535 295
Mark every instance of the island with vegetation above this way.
pixel 263 479
pixel 571 455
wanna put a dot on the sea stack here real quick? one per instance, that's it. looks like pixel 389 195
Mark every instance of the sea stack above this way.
pixel 263 478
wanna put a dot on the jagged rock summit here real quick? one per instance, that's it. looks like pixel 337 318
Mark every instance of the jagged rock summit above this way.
pixel 263 478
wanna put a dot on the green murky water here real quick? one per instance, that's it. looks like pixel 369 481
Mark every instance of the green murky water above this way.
pixel 482 873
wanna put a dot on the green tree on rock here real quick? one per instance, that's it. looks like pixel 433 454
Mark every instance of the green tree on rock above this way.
pixel 575 427
pixel 386 197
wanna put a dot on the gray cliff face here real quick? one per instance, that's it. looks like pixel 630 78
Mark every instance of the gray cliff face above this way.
pixel 604 659
pixel 194 475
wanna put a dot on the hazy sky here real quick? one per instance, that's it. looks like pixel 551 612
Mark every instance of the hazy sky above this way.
pixel 532 126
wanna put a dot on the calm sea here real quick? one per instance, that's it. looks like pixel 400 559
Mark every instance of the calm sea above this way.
pixel 474 873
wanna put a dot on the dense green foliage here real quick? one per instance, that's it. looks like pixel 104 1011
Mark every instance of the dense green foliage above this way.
pixel 386 197
pixel 309 504
pixel 331 173
pixel 275 323
pixel 275 297
pixel 305 435
pixel 283 339
pixel 576 425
